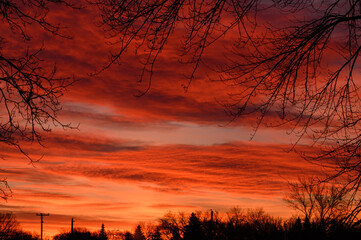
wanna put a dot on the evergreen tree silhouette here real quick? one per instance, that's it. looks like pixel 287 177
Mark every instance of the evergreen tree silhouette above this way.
pixel 102 233
pixel 194 229
pixel 138 234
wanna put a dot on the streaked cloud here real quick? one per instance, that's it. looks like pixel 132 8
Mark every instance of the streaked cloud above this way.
pixel 135 158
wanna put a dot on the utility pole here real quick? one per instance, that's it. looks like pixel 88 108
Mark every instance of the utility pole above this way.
pixel 211 227
pixel 72 226
pixel 41 223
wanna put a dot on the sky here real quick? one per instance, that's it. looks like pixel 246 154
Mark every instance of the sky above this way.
pixel 133 159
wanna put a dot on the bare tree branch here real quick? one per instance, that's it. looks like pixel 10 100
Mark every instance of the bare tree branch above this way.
pixel 29 89
pixel 304 68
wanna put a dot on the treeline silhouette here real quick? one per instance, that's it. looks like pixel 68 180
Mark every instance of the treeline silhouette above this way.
pixel 238 224
pixel 82 234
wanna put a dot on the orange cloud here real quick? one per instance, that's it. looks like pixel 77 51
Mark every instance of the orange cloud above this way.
pixel 132 158
pixel 142 182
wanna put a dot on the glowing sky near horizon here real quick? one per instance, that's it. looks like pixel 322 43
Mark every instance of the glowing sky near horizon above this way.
pixel 135 158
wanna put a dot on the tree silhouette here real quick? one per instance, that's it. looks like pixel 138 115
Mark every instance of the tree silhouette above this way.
pixel 155 234
pixel 10 229
pixel 138 234
pixel 8 225
pixel 172 226
pixel 299 66
pixel 102 233
pixel 29 87
pixel 325 204
pixel 194 229
pixel 128 236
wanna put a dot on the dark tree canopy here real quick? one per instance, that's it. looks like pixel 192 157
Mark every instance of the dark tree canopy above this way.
pixel 298 60
pixel 194 229
pixel 253 224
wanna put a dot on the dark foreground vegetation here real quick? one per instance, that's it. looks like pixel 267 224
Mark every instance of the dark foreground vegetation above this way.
pixel 240 225
pixel 325 211
pixel 10 229
pixel 236 225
